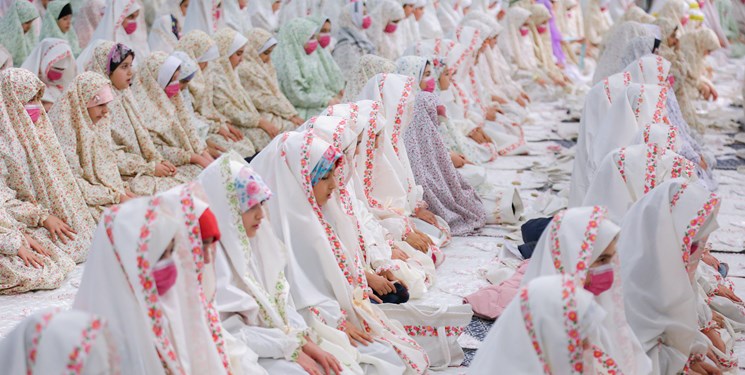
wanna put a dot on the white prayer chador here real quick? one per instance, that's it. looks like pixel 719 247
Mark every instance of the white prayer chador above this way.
pixel 55 342
pixel 614 111
pixel 627 174
pixel 542 331
pixel 574 240
pixel 396 93
pixel 111 27
pixel 263 16
pixel 204 15
pixel 160 334
pixel 161 36
pixel 52 54
pixel 236 18
pixel 330 286
pixel 343 132
pixel 655 248
pixel 253 295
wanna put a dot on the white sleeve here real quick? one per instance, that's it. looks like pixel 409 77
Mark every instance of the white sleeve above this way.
pixel 240 315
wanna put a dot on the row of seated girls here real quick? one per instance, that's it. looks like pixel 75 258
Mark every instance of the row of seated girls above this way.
pixel 246 186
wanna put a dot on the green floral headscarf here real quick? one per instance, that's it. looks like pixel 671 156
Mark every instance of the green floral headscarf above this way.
pixel 18 43
pixel 300 77
pixel 333 77
pixel 50 29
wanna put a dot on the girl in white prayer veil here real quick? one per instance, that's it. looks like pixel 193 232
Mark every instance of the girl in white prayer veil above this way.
pixel 385 19
pixel 614 111
pixel 252 293
pixel 164 34
pixel 331 286
pixel 204 15
pixel 654 69
pixel 553 327
pixel 143 279
pixel 627 174
pixel 396 260
pixel 124 22
pixel 237 16
pixel 265 14
pixel 596 21
pixel 52 61
pixel 56 342
pixel 396 93
pixel 518 48
pixel 378 182
pixel 352 42
pixel 659 247
pixel 581 241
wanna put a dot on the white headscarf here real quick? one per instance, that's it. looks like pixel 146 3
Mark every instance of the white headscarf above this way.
pixel 52 53
pixel 574 240
pixel 158 333
pixel 331 278
pixel 542 331
pixel 54 342
pixel 236 18
pixel 517 48
pixel 161 36
pixel 627 174
pixel 614 111
pixel 396 92
pixel 263 16
pixel 202 15
pixel 111 27
pixel 655 247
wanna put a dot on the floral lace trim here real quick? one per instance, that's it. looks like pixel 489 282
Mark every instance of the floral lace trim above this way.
pixel 650 174
pixel 695 224
pixel 278 300
pixel 352 270
pixel 146 280
pixel 530 327
pixel 676 196
pixel 38 329
pixel 606 362
pixel 590 236
pixel 431 331
pixel 76 358
pixel 621 163
pixel 195 239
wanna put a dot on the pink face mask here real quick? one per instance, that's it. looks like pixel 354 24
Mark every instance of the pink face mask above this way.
pixel 601 279
pixel 429 85
pixel 34 111
pixel 324 40
pixel 130 28
pixel 172 90
pixel 541 29
pixel 366 22
pixel 311 46
pixel 684 20
pixel 165 274
pixel 54 75
pixel 524 31
pixel 390 28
